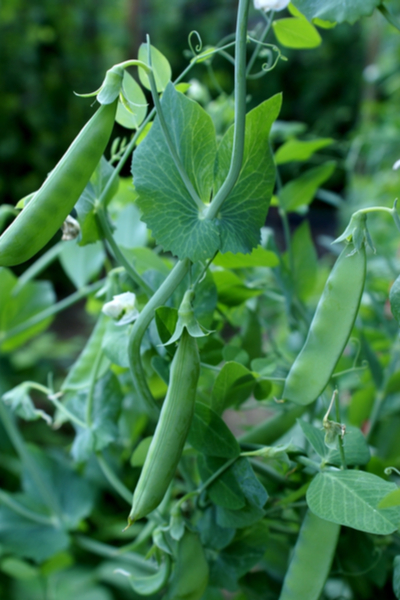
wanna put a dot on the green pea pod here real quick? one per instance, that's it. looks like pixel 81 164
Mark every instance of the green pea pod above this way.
pixel 44 215
pixel 171 431
pixel 312 559
pixel 190 576
pixel 330 328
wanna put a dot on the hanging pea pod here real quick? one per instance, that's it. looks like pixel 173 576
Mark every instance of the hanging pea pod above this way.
pixel 44 215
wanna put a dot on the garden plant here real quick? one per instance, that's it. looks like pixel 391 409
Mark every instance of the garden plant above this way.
pixel 230 425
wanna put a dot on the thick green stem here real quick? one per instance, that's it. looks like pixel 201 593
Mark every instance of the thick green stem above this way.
pixel 240 112
pixel 141 324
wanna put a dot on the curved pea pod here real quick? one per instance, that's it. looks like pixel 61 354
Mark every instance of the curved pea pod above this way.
pixel 312 559
pixel 330 328
pixel 171 431
pixel 190 576
pixel 51 204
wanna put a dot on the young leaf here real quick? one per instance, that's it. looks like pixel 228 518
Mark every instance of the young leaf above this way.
pixel 299 151
pixel 296 33
pixel 224 491
pixel 161 68
pixel 233 385
pixel 132 114
pixel 301 191
pixel 259 257
pixel 351 498
pixel 82 264
pixel 209 434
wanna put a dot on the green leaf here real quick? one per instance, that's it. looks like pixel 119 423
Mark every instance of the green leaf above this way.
pixel 305 261
pixel 19 306
pixel 296 150
pixel 140 452
pixel 86 205
pixel 259 257
pixel 115 344
pixel 233 385
pixel 27 539
pixel 301 191
pixel 130 232
pixel 354 443
pixel 296 33
pixel 147 586
pixel 161 68
pixel 210 435
pixel 246 516
pixel 394 298
pixel 167 207
pixel 82 264
pixel 232 290
pixel 334 11
pixel 351 498
pixel 19 401
pixel 132 115
pixel 80 374
pixel 105 411
pixel 244 211
pixel 392 499
pixel 213 535
pixel 254 491
pixel 224 491
pixel 18 569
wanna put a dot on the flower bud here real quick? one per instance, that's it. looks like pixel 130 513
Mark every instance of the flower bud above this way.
pixel 271 4
pixel 122 308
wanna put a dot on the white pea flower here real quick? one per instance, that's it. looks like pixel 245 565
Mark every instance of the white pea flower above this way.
pixel 396 165
pixel 122 308
pixel 271 4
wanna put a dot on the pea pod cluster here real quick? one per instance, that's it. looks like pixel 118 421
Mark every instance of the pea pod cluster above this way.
pixel 171 431
pixel 51 204
pixel 330 328
pixel 312 559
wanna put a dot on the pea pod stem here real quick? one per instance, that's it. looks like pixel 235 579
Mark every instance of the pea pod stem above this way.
pixel 141 324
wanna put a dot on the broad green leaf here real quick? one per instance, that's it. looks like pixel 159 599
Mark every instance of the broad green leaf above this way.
pixel 305 261
pixel 132 115
pixel 232 290
pixel 107 399
pixel 259 257
pixel 74 494
pixel 301 191
pixel 233 385
pixel 254 491
pixel 130 232
pixel 168 209
pixel 115 344
pixel 82 264
pixel 80 374
pixel 213 535
pixel 210 435
pixel 246 516
pixel 394 298
pixel 351 498
pixel 18 307
pixel 27 539
pixel 151 584
pixel 18 569
pixel 86 205
pixel 334 11
pixel 244 211
pixel 234 562
pixel 297 150
pixel 160 65
pixel 296 33
pixel 224 491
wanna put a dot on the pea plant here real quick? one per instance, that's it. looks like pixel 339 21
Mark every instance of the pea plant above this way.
pixel 229 426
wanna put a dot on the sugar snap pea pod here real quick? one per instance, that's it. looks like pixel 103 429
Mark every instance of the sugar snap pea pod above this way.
pixel 330 328
pixel 171 431
pixel 44 215
pixel 190 576
pixel 312 559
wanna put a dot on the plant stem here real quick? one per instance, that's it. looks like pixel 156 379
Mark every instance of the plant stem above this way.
pixel 107 551
pixel 38 266
pixel 257 49
pixel 93 378
pixel 240 112
pixel 340 438
pixel 141 324
pixel 51 311
pixel 113 479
